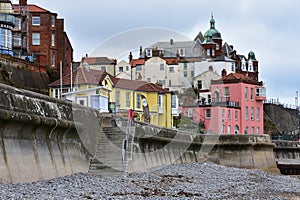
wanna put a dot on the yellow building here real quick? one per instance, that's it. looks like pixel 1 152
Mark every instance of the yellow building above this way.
pixel 95 88
pixel 149 102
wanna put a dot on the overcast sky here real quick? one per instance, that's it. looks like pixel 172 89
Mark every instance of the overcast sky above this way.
pixel 269 28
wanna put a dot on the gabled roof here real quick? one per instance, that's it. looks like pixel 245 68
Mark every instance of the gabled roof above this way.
pixel 135 62
pixel 81 76
pixel 138 85
pixel 236 78
pixel 30 8
pixel 98 60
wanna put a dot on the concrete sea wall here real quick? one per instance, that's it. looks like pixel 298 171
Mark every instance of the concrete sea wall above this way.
pixel 38 137
pixel 153 147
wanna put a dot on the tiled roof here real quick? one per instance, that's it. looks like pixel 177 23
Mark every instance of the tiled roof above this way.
pixel 138 85
pixel 30 8
pixel 98 60
pixel 81 76
pixel 236 76
pixel 135 62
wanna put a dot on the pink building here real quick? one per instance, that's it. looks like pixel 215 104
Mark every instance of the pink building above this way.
pixel 236 106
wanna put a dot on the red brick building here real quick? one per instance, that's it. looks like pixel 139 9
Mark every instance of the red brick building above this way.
pixel 44 36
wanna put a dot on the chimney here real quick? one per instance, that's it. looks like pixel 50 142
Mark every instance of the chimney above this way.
pixel 171 42
pixel 130 57
pixel 141 50
pixel 23 2
pixel 224 73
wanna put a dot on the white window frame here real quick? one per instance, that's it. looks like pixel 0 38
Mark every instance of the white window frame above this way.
pixel 36 20
pixel 53 59
pixel 208 113
pixel 246 113
pixel 127 99
pixel 53 39
pixel 36 38
pixel 149 52
pixel 53 21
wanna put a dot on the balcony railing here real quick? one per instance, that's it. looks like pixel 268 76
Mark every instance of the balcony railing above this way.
pixel 260 94
pixel 222 101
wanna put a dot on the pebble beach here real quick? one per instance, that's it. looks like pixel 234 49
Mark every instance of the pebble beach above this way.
pixel 178 181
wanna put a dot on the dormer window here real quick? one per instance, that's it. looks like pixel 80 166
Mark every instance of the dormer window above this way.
pixel 208 52
pixel 148 52
pixel 243 65
pixel 217 47
pixel 181 52
pixel 250 68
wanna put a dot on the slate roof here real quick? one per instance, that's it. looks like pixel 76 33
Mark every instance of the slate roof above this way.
pixel 98 60
pixel 137 85
pixel 81 76
pixel 170 50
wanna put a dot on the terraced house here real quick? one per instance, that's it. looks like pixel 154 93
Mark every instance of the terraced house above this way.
pixel 149 102
pixel 98 89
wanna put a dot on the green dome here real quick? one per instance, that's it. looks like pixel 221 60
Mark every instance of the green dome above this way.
pixel 212 32
pixel 251 55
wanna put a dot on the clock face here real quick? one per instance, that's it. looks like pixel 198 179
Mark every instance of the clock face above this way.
pixel 144 102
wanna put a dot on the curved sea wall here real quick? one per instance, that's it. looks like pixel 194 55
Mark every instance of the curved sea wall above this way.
pixel 164 147
pixel 39 138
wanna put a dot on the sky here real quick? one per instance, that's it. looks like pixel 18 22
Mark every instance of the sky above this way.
pixel 269 28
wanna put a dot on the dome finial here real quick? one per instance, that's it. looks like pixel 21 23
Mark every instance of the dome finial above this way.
pixel 212 15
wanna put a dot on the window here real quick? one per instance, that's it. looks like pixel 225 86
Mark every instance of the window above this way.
pixel 226 92
pixel 213 52
pixel 171 69
pixel 127 68
pixel 209 98
pixel 228 129
pixel 36 21
pixel 120 68
pixel 223 113
pixel 174 101
pixel 160 101
pixel 148 52
pixel 185 74
pixel 35 38
pixel 17 41
pixel 138 68
pixel 257 114
pixel 236 129
pixel 199 84
pixel 181 52
pixel 138 101
pixel 258 130
pixel 170 82
pixel 148 80
pixel 208 52
pixel 161 67
pixel 53 21
pixel 103 68
pixel 229 114
pixel 117 97
pixel 217 47
pixel 184 66
pixel 53 59
pixel 252 113
pixel 251 94
pixel 53 39
pixel 207 113
pixel 246 130
pixel 223 128
pixel 192 73
pixel 232 67
pixel 246 113
pixel 236 115
pixel 246 93
pixel 95 101
pixel 127 99
pixel 252 130
pixel 18 23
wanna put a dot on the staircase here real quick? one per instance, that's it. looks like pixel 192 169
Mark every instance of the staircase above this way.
pixel 110 158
